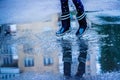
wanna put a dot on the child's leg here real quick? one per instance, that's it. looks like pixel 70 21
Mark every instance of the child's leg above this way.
pixel 81 17
pixel 79 6
pixel 64 7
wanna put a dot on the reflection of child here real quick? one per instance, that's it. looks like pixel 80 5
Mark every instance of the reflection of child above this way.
pixel 65 18
pixel 66 46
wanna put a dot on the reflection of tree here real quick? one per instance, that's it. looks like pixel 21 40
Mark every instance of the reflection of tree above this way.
pixel 110 57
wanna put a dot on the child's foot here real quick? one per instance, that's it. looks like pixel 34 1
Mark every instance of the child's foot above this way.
pixel 81 31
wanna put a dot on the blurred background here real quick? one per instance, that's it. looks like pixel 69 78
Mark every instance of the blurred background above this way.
pixel 30 50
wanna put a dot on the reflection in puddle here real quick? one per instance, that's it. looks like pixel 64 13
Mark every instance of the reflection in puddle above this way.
pixel 67 56
pixel 38 51
pixel 110 48
pixel 41 53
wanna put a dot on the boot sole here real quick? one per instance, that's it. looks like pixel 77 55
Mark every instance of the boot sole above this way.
pixel 63 33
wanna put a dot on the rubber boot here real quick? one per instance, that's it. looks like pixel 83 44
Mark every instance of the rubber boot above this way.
pixel 65 20
pixel 82 24
pixel 81 17
pixel 81 70
pixel 83 47
pixel 67 70
pixel 81 66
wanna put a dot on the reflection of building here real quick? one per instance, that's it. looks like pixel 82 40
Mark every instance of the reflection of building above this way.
pixel 38 61
pixel 6 60
pixel 8 65
pixel 38 27
pixel 91 62
pixel 31 55
pixel 6 46
pixel 8 73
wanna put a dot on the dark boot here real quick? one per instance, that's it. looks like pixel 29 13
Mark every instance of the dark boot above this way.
pixel 65 20
pixel 67 70
pixel 81 70
pixel 83 47
pixel 82 24
pixel 81 17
